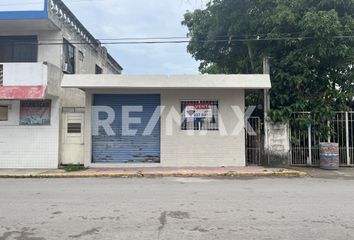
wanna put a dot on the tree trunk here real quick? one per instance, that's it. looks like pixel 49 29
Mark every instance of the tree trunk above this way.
pixel 250 55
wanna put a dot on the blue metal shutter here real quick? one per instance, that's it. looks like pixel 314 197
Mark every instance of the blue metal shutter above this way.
pixel 127 149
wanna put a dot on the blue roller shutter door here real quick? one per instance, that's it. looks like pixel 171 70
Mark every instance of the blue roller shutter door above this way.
pixel 127 149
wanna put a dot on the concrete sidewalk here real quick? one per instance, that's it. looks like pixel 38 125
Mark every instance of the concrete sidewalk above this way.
pixel 154 172
pixel 342 172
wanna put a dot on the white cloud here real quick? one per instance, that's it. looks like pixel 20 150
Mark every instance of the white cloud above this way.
pixel 141 18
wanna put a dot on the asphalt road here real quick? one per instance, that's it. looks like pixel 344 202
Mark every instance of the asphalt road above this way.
pixel 176 208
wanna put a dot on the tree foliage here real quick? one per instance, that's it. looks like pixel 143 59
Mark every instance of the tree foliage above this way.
pixel 309 41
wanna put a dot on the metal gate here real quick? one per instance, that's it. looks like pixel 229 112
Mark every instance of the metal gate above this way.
pixel 253 141
pixel 304 143
pixel 124 148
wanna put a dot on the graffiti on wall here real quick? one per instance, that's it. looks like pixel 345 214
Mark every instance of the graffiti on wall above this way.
pixel 34 112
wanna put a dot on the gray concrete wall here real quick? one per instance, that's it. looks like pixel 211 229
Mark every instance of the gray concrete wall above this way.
pixel 277 144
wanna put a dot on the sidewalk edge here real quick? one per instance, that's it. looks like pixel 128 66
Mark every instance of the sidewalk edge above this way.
pixel 285 173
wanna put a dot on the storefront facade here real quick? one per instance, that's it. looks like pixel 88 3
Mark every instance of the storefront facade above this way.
pixel 136 121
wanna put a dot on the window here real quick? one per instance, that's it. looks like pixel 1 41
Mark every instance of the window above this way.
pixel 69 57
pixel 74 127
pixel 98 70
pixel 81 56
pixel 35 112
pixel 4 113
pixel 200 115
pixel 18 49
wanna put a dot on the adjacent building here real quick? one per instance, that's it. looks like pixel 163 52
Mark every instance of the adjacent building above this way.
pixel 40 41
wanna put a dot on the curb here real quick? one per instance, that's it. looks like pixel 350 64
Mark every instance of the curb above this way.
pixel 156 175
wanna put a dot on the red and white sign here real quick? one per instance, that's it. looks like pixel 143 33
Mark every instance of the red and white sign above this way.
pixel 198 110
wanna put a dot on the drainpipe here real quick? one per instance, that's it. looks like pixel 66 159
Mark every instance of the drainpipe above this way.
pixel 266 70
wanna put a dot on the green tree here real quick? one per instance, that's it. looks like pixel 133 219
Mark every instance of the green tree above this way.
pixel 309 41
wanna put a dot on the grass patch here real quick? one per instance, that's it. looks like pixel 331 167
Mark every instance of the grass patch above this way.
pixel 73 168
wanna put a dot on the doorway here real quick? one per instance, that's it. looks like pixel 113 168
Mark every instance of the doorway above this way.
pixel 72 150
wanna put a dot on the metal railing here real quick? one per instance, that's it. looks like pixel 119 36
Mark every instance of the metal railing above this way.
pixel 304 142
pixel 1 74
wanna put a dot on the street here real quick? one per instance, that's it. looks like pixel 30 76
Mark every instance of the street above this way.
pixel 177 208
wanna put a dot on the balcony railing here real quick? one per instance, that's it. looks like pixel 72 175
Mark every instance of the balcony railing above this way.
pixel 31 75
pixel 1 74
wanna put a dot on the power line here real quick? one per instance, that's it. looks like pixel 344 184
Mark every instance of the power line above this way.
pixel 124 42
pixel 257 36
pixel 176 41
pixel 140 38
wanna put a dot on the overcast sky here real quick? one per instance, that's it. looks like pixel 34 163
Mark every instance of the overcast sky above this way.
pixel 141 18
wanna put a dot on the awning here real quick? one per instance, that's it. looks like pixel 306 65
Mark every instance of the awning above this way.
pixel 23 92
pixel 242 81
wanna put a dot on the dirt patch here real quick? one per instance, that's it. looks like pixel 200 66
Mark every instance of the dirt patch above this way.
pixel 199 229
pixel 24 234
pixel 178 215
pixel 56 213
pixel 90 232
pixel 163 220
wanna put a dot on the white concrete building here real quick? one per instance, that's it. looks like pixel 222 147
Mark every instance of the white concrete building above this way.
pixel 136 121
pixel 39 42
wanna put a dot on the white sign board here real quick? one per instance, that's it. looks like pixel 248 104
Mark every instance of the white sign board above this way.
pixel 21 5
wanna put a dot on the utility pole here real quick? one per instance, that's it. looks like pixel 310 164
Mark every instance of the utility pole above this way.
pixel 266 70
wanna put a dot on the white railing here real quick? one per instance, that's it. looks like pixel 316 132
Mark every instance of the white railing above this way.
pixel 304 143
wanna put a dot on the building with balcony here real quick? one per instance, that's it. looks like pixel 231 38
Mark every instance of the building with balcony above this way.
pixel 41 124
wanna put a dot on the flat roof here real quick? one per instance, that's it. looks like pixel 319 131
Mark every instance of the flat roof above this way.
pixel 103 81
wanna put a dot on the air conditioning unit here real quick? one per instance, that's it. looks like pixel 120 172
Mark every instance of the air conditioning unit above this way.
pixel 65 67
